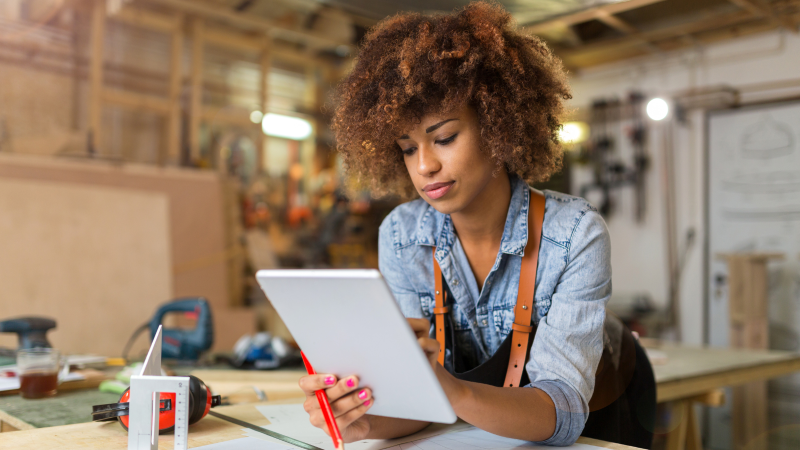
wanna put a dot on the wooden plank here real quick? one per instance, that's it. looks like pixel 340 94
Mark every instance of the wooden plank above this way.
pixel 11 423
pixel 605 47
pixel 196 261
pixel 175 83
pixel 759 9
pixel 281 384
pixel 265 63
pixel 679 411
pixel 69 234
pixel 587 15
pixel 711 398
pixel 749 328
pixel 196 92
pixel 228 39
pixel 140 102
pixel 693 441
pixel 165 23
pixel 254 23
pixel 227 116
pixel 733 376
pixel 615 22
pixel 209 430
pixel 96 75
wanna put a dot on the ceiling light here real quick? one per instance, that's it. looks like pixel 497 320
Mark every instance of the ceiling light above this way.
pixel 256 116
pixel 286 127
pixel 657 108
pixel 573 132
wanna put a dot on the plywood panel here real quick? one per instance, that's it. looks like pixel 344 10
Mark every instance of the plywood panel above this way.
pixel 95 259
pixel 198 251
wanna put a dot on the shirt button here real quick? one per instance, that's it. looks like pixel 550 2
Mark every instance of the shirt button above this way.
pixel 440 254
pixel 483 322
pixel 455 282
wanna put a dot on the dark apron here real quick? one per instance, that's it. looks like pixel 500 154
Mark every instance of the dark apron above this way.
pixel 623 406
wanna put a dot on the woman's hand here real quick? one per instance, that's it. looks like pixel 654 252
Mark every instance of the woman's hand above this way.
pixel 348 402
pixel 430 346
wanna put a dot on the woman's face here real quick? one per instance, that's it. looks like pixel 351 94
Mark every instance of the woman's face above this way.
pixel 445 162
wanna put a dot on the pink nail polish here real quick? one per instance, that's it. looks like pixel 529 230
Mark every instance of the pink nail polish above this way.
pixel 351 383
pixel 367 403
pixel 329 380
pixel 363 394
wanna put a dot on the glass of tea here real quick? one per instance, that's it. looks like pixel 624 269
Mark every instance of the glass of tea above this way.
pixel 38 370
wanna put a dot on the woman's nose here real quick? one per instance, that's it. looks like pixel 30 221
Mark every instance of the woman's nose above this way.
pixel 427 163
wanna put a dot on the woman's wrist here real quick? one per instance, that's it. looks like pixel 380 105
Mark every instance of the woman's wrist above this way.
pixel 457 391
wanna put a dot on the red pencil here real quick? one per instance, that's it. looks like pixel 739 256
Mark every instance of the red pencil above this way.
pixel 325 405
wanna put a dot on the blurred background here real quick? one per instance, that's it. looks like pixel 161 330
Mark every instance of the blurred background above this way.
pixel 159 149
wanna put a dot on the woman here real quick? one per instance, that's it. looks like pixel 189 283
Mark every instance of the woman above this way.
pixel 463 111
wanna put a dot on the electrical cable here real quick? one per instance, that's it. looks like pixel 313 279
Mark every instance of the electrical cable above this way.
pixel 132 339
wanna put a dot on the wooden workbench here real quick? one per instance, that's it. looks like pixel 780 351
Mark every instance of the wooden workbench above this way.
pixel 110 435
pixel 690 374
pixel 690 371
pixel 698 374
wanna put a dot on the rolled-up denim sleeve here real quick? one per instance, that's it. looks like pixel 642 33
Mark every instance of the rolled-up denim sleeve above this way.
pixel 569 339
pixel 391 268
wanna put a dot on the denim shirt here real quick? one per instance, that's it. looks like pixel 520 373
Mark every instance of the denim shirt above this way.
pixel 573 284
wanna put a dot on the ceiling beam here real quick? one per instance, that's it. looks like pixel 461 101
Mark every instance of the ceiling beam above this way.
pixel 615 22
pixel 763 10
pixel 593 13
pixel 720 21
pixel 251 22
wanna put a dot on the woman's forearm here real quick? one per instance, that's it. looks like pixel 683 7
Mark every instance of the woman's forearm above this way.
pixel 388 427
pixel 519 413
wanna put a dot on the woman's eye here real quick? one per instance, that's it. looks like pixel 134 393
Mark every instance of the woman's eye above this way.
pixel 409 151
pixel 446 141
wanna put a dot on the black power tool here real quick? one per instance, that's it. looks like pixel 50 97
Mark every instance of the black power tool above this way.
pixel 32 331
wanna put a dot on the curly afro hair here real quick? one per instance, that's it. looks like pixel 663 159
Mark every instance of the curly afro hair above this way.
pixel 411 65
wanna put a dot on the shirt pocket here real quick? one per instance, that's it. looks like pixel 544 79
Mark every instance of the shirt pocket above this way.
pixel 503 317
pixel 542 307
pixel 427 303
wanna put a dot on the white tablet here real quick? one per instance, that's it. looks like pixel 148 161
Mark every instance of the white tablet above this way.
pixel 347 323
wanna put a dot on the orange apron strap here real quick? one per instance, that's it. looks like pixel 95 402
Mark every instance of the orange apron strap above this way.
pixel 521 329
pixel 440 310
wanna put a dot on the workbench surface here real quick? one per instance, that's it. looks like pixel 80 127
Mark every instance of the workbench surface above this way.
pixel 110 435
pixel 691 370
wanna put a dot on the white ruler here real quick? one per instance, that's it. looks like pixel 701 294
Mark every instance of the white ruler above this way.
pixel 144 404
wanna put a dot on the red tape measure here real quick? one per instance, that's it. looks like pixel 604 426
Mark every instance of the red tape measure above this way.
pixel 200 402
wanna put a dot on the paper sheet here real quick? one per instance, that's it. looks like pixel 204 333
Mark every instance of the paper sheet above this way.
pixel 474 439
pixel 292 420
pixel 247 444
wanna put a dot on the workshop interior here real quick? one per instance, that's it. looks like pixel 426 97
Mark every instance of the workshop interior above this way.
pixel 156 154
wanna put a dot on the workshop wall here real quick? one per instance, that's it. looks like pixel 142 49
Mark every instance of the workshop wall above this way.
pixel 756 66
pixel 97 260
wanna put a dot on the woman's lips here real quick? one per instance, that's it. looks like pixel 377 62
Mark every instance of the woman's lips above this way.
pixel 437 190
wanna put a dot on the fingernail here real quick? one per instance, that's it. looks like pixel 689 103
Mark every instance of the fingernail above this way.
pixel 363 394
pixel 329 380
pixel 351 383
pixel 367 403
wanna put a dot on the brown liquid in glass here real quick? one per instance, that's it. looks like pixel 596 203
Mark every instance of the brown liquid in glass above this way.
pixel 38 384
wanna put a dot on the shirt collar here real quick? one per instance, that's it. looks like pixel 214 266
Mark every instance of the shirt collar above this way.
pixel 435 228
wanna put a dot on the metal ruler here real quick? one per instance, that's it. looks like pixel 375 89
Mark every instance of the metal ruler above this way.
pixel 145 403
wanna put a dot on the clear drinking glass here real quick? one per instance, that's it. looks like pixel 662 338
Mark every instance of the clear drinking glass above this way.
pixel 38 371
